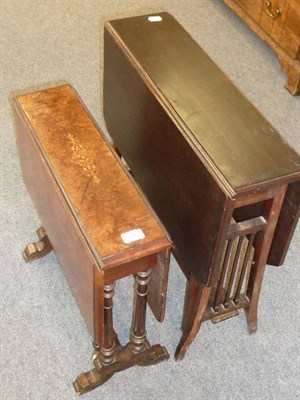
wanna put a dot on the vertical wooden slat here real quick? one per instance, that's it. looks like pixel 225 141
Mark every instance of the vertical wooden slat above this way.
pixel 233 271
pixel 244 268
pixel 223 274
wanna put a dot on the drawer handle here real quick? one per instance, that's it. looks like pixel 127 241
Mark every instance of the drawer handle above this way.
pixel 271 14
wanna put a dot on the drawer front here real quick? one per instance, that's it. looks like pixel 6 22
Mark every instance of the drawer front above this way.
pixel 280 19
pixel 290 35
pixel 252 7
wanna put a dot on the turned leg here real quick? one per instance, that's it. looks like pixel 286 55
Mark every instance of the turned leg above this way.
pixel 108 346
pixel 110 357
pixel 262 247
pixel 138 326
pixel 142 353
pixel 195 305
pixel 104 354
pixel 38 249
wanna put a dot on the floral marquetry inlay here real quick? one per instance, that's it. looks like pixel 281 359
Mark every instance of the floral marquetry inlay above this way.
pixel 83 157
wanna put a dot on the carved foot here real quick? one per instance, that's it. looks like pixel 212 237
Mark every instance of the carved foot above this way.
pixel 38 249
pixel 292 69
pixel 150 356
pixel 124 358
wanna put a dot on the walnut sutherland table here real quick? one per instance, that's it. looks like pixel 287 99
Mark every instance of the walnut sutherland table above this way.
pixel 100 227
pixel 216 172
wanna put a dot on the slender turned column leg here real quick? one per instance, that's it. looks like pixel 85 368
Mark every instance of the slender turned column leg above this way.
pixel 141 352
pixel 262 247
pixel 37 249
pixel 107 348
pixel 104 354
pixel 195 305
pixel 138 326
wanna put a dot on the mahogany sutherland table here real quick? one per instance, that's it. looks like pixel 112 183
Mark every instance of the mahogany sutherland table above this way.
pixel 216 172
pixel 100 227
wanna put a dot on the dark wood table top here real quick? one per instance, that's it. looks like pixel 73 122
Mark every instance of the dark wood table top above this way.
pixel 238 145
pixel 194 143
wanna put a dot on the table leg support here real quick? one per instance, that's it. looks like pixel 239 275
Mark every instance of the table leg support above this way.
pixel 104 356
pixel 111 357
pixel 142 353
pixel 37 249
pixel 263 243
pixel 195 305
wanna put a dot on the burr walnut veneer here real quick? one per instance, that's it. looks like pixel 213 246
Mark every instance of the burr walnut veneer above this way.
pixel 100 227
pixel 219 176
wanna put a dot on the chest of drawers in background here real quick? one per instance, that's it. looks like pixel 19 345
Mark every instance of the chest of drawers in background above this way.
pixel 277 22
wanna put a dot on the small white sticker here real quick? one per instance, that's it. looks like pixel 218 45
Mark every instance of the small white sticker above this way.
pixel 155 18
pixel 132 236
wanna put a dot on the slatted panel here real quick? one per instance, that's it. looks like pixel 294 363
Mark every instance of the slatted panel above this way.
pixel 236 264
